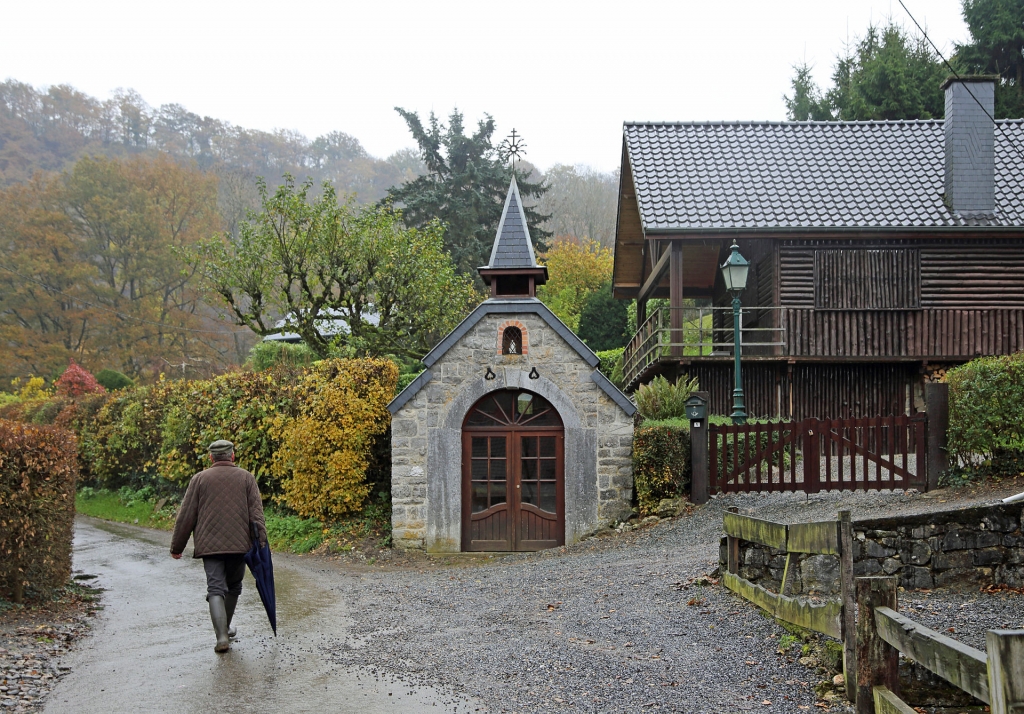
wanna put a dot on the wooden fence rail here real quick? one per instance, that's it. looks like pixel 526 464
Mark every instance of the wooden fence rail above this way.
pixel 833 617
pixel 996 677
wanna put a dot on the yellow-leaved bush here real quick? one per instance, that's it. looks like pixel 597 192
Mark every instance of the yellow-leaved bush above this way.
pixel 324 450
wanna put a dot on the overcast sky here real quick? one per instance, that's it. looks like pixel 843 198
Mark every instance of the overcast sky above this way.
pixel 564 74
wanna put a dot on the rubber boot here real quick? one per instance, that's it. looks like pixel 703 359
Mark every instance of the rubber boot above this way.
pixel 229 605
pixel 219 616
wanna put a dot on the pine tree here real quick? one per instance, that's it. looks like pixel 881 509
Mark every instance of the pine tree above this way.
pixel 997 34
pixel 464 188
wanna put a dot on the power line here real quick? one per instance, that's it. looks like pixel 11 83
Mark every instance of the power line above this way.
pixel 116 312
pixel 956 74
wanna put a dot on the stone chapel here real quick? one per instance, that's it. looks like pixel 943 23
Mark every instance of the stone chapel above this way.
pixel 511 439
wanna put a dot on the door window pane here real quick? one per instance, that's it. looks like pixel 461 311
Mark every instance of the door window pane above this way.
pixel 479 496
pixel 547 497
pixel 547 469
pixel 529 469
pixel 479 469
pixel 529 493
pixel 497 447
pixel 497 492
pixel 529 446
pixel 547 446
pixel 479 447
pixel 498 469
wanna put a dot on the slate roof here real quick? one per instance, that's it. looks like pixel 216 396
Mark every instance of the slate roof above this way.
pixel 808 175
pixel 512 245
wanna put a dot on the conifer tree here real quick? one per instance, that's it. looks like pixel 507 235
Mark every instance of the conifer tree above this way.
pixel 464 187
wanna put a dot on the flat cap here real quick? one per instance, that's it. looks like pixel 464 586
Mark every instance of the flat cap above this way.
pixel 221 447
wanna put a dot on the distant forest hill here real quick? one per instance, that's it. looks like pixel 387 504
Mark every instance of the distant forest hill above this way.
pixel 48 130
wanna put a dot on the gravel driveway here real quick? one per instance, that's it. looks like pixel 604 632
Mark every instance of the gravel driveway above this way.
pixel 613 624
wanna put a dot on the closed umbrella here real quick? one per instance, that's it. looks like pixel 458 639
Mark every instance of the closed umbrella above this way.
pixel 262 569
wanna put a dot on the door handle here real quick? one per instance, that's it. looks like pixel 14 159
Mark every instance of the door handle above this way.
pixel 517 485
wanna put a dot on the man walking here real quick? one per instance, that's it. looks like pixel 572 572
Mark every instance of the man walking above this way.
pixel 218 507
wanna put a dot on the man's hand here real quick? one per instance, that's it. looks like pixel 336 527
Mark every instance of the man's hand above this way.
pixel 176 556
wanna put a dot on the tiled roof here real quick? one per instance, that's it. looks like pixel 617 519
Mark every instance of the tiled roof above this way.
pixel 806 175
pixel 512 245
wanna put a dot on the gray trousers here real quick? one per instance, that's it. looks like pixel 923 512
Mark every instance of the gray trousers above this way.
pixel 224 574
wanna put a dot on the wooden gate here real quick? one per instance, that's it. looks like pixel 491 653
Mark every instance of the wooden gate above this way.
pixel 819 455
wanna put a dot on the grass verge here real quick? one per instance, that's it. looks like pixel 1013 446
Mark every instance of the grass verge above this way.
pixel 286 533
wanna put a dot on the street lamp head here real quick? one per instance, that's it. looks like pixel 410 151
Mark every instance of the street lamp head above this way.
pixel 734 271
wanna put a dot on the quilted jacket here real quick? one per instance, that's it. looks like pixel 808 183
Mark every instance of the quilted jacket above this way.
pixel 218 506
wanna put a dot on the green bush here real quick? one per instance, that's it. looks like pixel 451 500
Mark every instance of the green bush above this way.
pixel 986 416
pixel 603 320
pixel 111 379
pixel 661 462
pixel 38 470
pixel 663 400
pixel 611 365
pixel 265 355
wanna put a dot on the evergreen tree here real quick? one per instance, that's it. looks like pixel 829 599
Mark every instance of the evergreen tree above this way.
pixel 464 187
pixel 604 321
pixel 886 75
pixel 807 102
pixel 997 41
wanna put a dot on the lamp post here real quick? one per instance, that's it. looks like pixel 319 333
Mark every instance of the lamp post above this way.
pixel 734 271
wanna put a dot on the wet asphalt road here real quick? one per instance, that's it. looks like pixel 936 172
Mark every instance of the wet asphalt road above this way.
pixel 151 649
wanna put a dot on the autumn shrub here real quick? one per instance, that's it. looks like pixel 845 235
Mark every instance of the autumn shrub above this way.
pixel 661 462
pixel 38 472
pixel 325 450
pixel 77 381
pixel 120 439
pixel 661 399
pixel 986 416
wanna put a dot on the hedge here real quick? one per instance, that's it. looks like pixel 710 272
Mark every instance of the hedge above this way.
pixel 312 437
pixel 661 462
pixel 986 415
pixel 38 472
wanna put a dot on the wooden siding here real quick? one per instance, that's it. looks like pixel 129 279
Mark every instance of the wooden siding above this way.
pixel 975 274
pixel 823 391
pixel 867 279
pixel 956 334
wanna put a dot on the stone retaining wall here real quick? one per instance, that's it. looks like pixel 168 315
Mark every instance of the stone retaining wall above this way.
pixel 972 546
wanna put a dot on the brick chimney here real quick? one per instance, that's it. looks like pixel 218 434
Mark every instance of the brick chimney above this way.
pixel 970 145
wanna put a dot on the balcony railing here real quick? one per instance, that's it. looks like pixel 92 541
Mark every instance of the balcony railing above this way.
pixel 934 334
pixel 676 333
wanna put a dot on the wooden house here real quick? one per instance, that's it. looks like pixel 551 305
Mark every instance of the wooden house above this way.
pixel 881 254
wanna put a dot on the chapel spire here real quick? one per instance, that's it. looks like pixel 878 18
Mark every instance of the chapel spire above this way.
pixel 512 270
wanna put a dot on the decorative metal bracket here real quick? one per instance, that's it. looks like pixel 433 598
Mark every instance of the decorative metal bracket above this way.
pixel 534 374
pixel 490 374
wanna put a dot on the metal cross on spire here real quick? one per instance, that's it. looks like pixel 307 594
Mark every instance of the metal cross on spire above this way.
pixel 512 149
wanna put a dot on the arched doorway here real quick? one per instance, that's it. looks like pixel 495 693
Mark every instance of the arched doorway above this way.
pixel 513 475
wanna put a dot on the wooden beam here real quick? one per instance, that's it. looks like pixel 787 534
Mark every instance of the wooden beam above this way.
pixel 877 661
pixel 756 530
pixel 849 598
pixel 960 665
pixel 1006 670
pixel 821 538
pixel 675 299
pixel 888 703
pixel 655 277
pixel 823 617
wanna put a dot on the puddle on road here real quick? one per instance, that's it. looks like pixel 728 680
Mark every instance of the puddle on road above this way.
pixel 152 647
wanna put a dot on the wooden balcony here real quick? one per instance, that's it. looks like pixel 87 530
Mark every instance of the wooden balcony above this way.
pixel 807 334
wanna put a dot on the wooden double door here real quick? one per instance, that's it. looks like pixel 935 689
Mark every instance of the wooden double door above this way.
pixel 513 474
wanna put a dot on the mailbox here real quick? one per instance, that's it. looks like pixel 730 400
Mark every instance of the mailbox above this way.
pixel 696 408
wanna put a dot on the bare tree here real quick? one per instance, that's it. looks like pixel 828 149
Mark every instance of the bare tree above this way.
pixel 581 203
